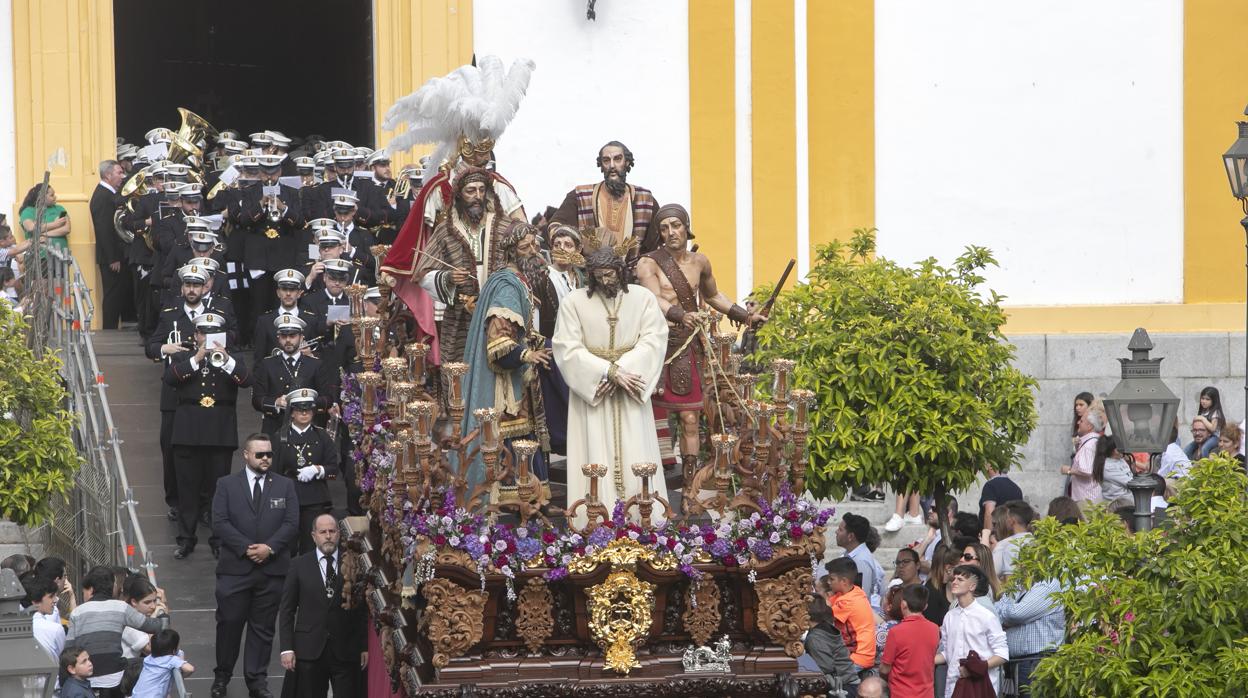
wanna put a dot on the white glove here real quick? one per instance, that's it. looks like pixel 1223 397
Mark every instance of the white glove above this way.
pixel 308 473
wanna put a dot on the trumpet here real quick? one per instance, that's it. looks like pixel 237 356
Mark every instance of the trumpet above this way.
pixel 270 206
pixel 174 337
pixel 217 358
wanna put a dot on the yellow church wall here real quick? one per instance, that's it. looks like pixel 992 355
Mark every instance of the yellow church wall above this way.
pixel 64 97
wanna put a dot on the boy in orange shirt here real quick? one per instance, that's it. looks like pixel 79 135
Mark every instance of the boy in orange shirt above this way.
pixel 852 611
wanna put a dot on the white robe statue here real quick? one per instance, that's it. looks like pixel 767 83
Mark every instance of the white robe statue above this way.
pixel 617 430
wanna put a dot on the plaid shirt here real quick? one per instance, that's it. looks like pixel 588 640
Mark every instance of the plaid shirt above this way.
pixel 1033 621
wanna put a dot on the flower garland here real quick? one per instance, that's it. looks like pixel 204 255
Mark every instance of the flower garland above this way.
pixel 510 549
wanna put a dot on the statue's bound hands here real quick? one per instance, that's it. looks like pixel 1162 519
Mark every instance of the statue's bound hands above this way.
pixel 630 382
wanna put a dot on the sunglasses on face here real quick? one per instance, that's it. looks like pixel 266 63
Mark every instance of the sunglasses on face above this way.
pixel 899 563
pixel 301 408
pixel 263 454
pixel 969 557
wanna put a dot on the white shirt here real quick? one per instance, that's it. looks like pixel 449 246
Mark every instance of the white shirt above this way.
pixel 194 311
pixel 320 562
pixel 563 281
pixel 299 431
pixel 49 632
pixel 107 186
pixel 969 629
pixel 252 476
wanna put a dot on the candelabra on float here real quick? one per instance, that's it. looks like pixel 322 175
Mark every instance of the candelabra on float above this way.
pixel 803 400
pixel 595 510
pixel 644 500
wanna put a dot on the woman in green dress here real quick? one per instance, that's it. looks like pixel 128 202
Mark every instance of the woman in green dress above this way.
pixel 55 218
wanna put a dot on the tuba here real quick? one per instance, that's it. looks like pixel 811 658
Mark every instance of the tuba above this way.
pixel 182 150
pixel 195 129
pixel 135 187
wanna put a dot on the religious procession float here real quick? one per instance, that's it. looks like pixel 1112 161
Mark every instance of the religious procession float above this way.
pixel 505 594
pixel 478 582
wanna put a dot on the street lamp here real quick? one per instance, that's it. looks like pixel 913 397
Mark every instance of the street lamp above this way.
pixel 1236 161
pixel 1141 412
pixel 26 670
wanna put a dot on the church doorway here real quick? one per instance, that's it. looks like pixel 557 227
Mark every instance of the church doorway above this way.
pixel 297 66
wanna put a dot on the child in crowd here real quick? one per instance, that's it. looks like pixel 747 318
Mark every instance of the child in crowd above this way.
pixel 908 660
pixel 1211 408
pixel 75 670
pixel 853 615
pixel 158 668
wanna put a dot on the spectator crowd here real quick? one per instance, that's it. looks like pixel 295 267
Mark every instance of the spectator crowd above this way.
pixel 947 623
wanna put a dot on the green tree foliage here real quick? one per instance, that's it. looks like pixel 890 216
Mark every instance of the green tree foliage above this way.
pixel 910 370
pixel 1153 614
pixel 37 455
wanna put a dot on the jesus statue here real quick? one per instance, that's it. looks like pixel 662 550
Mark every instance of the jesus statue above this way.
pixel 610 340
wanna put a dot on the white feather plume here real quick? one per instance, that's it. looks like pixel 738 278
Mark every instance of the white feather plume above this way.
pixel 474 101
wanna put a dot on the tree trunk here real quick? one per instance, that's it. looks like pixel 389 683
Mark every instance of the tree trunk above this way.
pixel 942 513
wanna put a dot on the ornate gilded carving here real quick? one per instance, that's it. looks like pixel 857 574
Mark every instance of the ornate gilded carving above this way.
pixel 782 611
pixel 622 553
pixel 454 619
pixel 535 623
pixel 620 611
pixel 701 615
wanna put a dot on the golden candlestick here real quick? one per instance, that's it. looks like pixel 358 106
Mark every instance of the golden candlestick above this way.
pixel 594 508
pixel 395 370
pixel 422 411
pixel 415 353
pixel 355 295
pixel 398 395
pixel 745 385
pixel 369 380
pixel 454 373
pixel 802 400
pixel 732 366
pixel 487 417
pixel 366 345
pixel 781 368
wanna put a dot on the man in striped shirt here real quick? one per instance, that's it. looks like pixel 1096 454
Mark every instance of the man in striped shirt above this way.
pixel 96 626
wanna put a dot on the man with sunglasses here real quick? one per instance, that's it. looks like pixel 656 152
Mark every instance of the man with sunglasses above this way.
pixel 332 243
pixel 970 627
pixel 307 454
pixel 256 514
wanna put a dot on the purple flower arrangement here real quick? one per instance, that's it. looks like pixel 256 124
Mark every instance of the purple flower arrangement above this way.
pixel 511 549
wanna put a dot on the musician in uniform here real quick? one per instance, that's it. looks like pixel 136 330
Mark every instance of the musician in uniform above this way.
pixel 380 191
pixel 336 277
pixel 289 284
pixel 205 425
pixel 346 210
pixel 321 204
pixel 307 454
pixel 332 244
pixel 285 370
pixel 269 223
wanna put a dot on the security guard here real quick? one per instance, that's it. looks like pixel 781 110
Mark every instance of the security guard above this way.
pixel 289 284
pixel 307 454
pixel 284 371
pixel 205 425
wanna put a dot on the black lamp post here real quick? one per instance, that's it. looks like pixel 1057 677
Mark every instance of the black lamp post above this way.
pixel 1236 161
pixel 1141 411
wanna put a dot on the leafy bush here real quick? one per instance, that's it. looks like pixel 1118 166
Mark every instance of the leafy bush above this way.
pixel 1153 614
pixel 37 455
pixel 911 373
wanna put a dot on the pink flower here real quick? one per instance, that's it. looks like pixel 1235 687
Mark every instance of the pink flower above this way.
pixel 1128 617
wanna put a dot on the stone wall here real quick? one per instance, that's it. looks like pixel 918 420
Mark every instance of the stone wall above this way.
pixel 1067 364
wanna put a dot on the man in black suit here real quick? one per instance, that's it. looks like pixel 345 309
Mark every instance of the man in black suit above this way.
pixel 321 643
pixel 205 425
pixel 255 513
pixel 286 370
pixel 110 252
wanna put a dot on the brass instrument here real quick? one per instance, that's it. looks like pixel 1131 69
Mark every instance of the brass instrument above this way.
pixel 136 186
pixel 271 211
pixel 402 189
pixel 217 358
pixel 182 150
pixel 219 187
pixel 195 129
pixel 174 337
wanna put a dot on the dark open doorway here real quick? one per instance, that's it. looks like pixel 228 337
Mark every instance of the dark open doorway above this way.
pixel 297 66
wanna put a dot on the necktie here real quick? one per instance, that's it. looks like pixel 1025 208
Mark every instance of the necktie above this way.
pixel 194 313
pixel 255 493
pixel 329 574
pixel 291 363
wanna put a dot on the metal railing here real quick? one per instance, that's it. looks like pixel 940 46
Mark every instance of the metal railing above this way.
pixel 98 522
